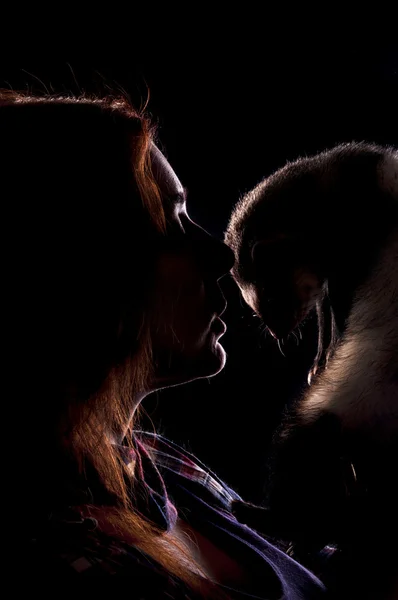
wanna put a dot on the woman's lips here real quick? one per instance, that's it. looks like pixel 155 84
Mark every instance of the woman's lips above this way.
pixel 218 326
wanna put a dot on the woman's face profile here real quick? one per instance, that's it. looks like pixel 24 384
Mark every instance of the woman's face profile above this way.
pixel 188 300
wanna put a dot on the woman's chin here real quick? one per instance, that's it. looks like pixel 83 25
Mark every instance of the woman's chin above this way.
pixel 211 357
pixel 209 362
pixel 219 358
pixel 206 362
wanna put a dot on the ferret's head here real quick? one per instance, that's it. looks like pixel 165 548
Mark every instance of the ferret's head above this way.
pixel 310 226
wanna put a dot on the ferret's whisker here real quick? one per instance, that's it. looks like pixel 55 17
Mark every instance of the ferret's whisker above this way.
pixel 280 349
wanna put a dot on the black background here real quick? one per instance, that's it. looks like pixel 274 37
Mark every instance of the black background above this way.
pixel 230 108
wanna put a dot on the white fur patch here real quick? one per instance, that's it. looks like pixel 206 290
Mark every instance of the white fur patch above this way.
pixel 353 387
pixel 359 384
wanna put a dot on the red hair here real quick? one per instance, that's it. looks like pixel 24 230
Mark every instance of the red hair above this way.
pixel 81 209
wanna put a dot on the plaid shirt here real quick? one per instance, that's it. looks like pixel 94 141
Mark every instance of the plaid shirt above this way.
pixel 168 479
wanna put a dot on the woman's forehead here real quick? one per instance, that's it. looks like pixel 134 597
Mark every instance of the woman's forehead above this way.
pixel 169 184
